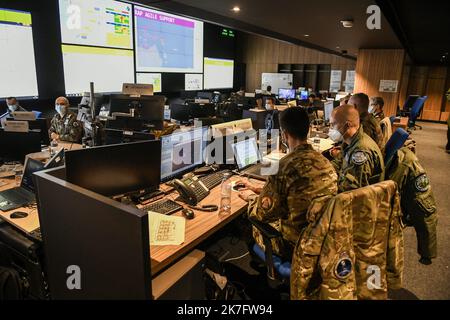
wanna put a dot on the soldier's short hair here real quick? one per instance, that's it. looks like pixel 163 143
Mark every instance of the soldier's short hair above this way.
pixel 377 101
pixel 361 100
pixel 295 121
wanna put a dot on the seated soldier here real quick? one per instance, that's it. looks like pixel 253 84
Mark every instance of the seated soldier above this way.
pixel 376 108
pixel 360 162
pixel 303 176
pixel 64 125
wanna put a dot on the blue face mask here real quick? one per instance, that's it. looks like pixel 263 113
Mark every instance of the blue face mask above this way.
pixel 58 108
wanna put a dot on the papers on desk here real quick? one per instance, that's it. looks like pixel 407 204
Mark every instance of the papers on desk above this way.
pixel 9 170
pixel 166 230
pixel 274 156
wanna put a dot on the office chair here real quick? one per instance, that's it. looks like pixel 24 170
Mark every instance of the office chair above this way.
pixel 278 271
pixel 404 112
pixel 395 142
pixel 415 113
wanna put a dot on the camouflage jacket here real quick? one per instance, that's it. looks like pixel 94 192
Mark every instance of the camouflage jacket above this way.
pixel 352 247
pixel 68 127
pixel 303 175
pixel 372 128
pixel 362 163
pixel 417 199
pixel 379 116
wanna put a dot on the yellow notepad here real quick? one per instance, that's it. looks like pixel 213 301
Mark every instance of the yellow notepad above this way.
pixel 166 230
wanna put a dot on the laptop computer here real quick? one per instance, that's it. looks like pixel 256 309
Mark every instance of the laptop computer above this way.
pixel 56 161
pixel 25 194
pixel 249 160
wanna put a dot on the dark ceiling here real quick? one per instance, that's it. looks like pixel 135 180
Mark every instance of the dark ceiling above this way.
pixel 421 27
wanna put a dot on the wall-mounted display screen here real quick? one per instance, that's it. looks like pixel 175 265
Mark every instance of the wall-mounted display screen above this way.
pixel 150 78
pixel 108 68
pixel 167 42
pixel 104 23
pixel 218 73
pixel 17 64
pixel 193 81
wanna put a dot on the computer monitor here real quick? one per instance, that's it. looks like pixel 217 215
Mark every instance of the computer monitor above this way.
pixel 182 152
pixel 328 109
pixel 246 153
pixel 286 93
pixel 114 136
pixel 199 110
pixel 220 151
pixel 16 145
pixel 116 169
pixel 148 109
pixel 205 95
pixel 57 160
pixel 304 95
pixel 31 166
pixel 180 112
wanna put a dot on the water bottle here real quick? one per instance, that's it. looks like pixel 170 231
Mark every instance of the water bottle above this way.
pixel 53 147
pixel 225 196
pixel 316 143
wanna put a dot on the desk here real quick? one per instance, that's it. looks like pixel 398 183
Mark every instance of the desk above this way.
pixel 198 229
pixel 403 123
pixel 325 144
pixel 31 222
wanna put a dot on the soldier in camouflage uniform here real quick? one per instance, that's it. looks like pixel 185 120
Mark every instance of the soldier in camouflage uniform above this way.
pixel 64 125
pixel 352 248
pixel 417 200
pixel 370 125
pixel 303 175
pixel 361 161
pixel 376 108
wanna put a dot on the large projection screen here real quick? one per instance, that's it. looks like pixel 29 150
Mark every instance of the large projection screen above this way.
pixel 167 42
pixel 17 63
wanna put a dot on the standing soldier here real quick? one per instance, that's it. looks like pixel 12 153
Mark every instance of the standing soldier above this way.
pixel 64 125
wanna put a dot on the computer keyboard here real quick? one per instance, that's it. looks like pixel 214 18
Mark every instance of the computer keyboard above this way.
pixel 214 179
pixel 165 206
pixel 36 234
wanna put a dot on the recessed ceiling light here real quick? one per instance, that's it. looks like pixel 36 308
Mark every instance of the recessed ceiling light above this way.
pixel 337 47
pixel 306 35
pixel 236 9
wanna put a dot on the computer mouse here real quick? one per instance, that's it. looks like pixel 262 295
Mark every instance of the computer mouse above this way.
pixel 239 186
pixel 18 215
pixel 188 213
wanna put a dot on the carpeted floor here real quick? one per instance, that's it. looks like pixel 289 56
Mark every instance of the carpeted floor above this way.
pixel 420 281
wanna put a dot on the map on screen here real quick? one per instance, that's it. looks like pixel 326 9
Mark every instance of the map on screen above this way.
pixel 167 43
pixel 104 23
pixel 150 78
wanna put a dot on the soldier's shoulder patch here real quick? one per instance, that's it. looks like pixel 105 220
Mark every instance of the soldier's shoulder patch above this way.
pixel 343 267
pixel 359 157
pixel 422 183
pixel 266 202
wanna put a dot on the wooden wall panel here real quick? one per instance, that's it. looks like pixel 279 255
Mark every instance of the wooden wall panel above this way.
pixel 261 54
pixel 374 65
pixel 404 86
pixel 435 89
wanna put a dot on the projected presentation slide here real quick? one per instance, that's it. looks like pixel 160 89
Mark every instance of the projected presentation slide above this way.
pixel 167 43
pixel 218 73
pixel 107 68
pixel 104 23
pixel 193 82
pixel 17 65
pixel 150 78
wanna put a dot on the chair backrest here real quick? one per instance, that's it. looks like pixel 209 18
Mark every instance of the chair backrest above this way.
pixel 395 142
pixel 409 102
pixel 417 107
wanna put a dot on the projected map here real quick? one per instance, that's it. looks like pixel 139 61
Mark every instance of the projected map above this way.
pixel 165 42
pixel 96 22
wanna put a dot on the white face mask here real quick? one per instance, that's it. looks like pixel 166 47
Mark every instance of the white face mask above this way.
pixel 370 109
pixel 335 135
pixel 268 106
pixel 12 107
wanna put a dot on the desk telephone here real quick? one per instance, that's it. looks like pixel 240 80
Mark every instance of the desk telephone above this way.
pixel 190 189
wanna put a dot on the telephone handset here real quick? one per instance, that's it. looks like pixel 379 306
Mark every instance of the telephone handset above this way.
pixel 190 189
